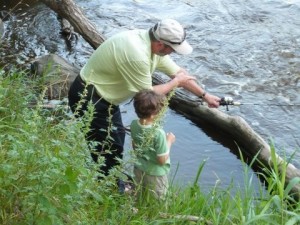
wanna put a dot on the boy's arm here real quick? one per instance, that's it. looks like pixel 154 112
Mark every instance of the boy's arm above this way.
pixel 170 140
pixel 162 159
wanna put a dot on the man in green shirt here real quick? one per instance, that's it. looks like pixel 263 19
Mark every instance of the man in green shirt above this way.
pixel 122 66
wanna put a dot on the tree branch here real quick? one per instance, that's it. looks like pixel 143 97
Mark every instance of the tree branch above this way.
pixel 69 10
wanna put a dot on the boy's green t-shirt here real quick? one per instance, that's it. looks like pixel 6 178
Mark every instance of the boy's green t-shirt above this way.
pixel 149 142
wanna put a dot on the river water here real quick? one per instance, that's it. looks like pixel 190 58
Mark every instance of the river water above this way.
pixel 247 50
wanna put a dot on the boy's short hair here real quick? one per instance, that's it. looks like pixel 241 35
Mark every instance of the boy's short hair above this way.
pixel 147 103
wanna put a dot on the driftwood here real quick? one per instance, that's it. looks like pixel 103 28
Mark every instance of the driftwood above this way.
pixel 250 144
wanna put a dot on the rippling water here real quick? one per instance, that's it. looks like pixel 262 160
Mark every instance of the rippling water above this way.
pixel 248 50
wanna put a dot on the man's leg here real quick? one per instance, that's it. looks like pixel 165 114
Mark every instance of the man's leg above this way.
pixel 109 133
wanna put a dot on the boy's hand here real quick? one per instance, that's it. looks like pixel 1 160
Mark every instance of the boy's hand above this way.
pixel 171 137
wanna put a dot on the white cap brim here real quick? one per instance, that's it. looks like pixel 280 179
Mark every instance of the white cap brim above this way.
pixel 184 48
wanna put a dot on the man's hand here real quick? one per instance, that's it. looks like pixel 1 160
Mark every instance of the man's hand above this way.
pixel 188 82
pixel 182 78
pixel 212 100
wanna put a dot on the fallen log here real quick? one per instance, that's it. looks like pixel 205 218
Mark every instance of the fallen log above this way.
pixel 249 143
pixel 68 10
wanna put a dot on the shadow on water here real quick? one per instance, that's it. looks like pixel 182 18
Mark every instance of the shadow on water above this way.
pixel 232 145
pixel 226 140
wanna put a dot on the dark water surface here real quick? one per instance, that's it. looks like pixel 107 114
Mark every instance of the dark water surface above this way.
pixel 248 50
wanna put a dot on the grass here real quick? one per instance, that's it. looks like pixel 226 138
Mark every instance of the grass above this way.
pixel 47 177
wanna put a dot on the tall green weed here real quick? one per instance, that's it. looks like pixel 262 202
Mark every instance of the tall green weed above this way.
pixel 46 176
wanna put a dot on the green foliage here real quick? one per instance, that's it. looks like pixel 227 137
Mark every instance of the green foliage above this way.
pixel 45 175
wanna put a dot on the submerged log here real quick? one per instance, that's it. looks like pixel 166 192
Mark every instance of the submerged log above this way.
pixel 250 145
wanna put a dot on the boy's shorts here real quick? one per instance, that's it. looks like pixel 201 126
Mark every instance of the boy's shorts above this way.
pixel 157 185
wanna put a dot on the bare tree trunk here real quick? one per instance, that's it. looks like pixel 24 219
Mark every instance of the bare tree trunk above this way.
pixel 250 144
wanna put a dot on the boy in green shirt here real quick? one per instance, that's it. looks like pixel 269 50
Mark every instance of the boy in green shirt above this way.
pixel 151 144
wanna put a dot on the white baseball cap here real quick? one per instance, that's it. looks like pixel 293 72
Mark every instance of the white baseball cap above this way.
pixel 171 33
